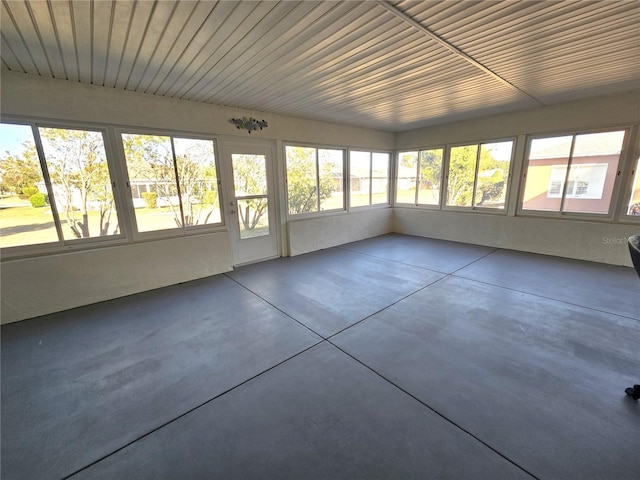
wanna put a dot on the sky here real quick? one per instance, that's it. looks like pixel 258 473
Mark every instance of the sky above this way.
pixel 13 136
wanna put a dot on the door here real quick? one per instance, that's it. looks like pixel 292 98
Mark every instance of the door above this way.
pixel 251 211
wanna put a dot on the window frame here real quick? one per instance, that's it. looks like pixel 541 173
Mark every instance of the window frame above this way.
pixel 333 211
pixel 370 205
pixel 631 171
pixel 472 207
pixel 425 206
pixel 166 233
pixel 76 244
pixel 614 201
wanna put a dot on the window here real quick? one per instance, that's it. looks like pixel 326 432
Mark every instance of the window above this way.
pixel 21 222
pixel 633 208
pixel 419 176
pixel 477 175
pixel 572 173
pixel 173 181
pixel 315 179
pixel 71 199
pixel 585 181
pixel 369 178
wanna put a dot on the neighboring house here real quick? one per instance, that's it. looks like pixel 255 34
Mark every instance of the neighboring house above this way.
pixel 60 197
pixel 589 186
pixel 140 185
pixel 361 178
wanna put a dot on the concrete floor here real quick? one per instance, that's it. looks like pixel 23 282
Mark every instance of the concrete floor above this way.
pixel 394 357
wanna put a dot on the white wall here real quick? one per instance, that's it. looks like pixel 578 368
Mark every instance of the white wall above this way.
pixel 40 285
pixel 46 284
pixel 593 241
pixel 585 239
pixel 30 95
pixel 308 235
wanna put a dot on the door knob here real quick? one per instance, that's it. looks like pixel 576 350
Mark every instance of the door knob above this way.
pixel 232 212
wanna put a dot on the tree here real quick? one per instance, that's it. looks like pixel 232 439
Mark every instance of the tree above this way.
pixel 20 172
pixel 461 176
pixel 430 172
pixel 198 180
pixel 78 169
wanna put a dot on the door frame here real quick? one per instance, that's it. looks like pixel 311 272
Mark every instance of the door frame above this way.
pixel 240 246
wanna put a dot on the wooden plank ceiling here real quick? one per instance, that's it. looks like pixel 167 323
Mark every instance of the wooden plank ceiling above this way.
pixel 392 65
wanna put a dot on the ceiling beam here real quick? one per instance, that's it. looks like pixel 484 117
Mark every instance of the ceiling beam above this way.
pixel 452 48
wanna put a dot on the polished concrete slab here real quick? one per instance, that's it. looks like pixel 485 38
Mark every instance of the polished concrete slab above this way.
pixel 80 384
pixel 332 289
pixel 509 365
pixel 604 287
pixel 538 380
pixel 320 415
pixel 438 255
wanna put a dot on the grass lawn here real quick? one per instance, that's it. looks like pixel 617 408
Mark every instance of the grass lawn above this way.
pixel 21 224
pixel 426 196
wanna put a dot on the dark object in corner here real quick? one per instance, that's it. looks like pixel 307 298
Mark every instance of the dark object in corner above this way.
pixel 634 250
pixel 633 392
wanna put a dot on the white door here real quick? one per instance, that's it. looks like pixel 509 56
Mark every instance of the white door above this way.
pixel 251 212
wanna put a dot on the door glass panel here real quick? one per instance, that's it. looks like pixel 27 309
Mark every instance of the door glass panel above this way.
pixel 253 217
pixel 77 164
pixel 250 183
pixel 25 211
pixel 249 174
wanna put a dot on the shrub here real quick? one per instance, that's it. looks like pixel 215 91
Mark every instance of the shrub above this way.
pixel 150 198
pixel 27 192
pixel 210 197
pixel 38 200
